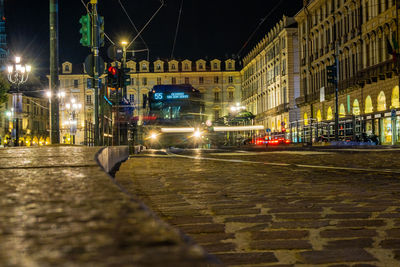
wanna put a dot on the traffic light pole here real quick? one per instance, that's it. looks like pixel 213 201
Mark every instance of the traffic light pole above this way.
pixel 54 112
pixel 95 50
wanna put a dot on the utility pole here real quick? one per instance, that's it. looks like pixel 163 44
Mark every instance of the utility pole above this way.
pixel 95 51
pixel 54 112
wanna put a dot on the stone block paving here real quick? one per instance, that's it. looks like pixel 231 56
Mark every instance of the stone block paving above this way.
pixel 58 208
pixel 260 215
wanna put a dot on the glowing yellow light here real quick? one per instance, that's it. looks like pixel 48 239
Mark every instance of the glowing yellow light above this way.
pixel 238 128
pixel 177 130
pixel 124 42
pixel 197 134
pixel 153 136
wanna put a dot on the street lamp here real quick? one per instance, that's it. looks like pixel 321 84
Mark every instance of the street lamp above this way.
pixel 72 109
pixel 17 74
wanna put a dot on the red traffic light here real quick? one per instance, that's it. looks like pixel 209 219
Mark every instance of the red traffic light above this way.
pixel 112 70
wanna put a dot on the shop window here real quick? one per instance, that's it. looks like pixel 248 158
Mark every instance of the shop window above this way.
pixel 368 105
pixel 305 117
pixel 395 97
pixel 329 115
pixel 356 107
pixel 342 111
pixel 381 101
pixel 319 117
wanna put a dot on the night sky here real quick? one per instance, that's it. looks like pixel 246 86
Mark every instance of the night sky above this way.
pixel 208 28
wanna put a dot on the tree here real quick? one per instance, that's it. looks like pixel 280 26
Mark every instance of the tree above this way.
pixel 4 88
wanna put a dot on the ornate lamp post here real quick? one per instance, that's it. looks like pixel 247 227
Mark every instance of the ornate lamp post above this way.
pixel 18 74
pixel 73 108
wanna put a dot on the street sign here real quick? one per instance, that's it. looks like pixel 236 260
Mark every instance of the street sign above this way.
pixel 393 113
pixel 115 53
pixel 88 65
pixel 268 130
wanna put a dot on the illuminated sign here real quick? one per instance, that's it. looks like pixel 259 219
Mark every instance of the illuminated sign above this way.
pixel 177 96
pixel 160 96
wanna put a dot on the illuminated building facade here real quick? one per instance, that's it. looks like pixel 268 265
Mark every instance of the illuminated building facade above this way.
pixel 218 81
pixel 363 33
pixel 271 77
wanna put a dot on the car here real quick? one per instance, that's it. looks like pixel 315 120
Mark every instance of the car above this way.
pixel 278 141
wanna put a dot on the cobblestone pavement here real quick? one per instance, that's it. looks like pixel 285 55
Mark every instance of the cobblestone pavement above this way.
pixel 264 215
pixel 58 208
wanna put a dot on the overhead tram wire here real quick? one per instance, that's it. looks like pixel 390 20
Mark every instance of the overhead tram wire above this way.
pixel 134 26
pixel 259 25
pixel 147 23
pixel 177 29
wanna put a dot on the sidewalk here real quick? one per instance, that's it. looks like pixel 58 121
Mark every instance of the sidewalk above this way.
pixel 59 208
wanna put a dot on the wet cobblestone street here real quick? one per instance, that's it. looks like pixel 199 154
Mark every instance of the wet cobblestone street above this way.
pixel 58 208
pixel 258 214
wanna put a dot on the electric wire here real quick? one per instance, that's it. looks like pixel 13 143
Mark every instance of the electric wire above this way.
pixel 134 26
pixel 176 30
pixel 144 27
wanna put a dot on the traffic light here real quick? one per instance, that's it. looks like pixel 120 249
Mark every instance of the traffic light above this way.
pixel 124 77
pixel 85 30
pixel 101 30
pixel 331 74
pixel 112 76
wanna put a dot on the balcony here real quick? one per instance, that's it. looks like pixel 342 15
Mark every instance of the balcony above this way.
pixel 372 73
pixel 300 101
pixel 282 108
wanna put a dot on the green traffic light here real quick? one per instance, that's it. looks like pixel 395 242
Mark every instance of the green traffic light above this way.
pixel 85 30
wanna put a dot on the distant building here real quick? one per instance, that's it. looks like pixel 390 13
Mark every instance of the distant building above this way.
pixel 218 81
pixel 270 77
pixel 34 122
pixel 368 102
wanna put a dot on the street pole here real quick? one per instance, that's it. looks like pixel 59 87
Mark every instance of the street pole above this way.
pixel 95 51
pixel 54 112
pixel 336 92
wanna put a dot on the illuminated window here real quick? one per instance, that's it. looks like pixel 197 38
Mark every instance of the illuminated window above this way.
pixel 319 117
pixel 230 96
pixel 381 101
pixel 216 96
pixel 230 79
pixel 356 107
pixel 144 66
pixel 329 115
pixel 173 67
pixel 395 97
pixel 89 99
pixel 342 111
pixel 368 105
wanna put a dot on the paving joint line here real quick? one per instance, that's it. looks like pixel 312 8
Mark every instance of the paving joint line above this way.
pixel 290 164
